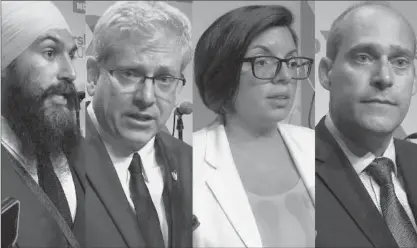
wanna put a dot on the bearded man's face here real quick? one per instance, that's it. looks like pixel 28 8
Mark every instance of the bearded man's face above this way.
pixel 39 96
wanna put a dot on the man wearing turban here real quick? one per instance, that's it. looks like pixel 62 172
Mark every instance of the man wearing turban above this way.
pixel 40 135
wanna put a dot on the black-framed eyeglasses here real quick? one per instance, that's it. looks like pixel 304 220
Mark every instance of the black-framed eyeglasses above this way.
pixel 268 67
pixel 129 80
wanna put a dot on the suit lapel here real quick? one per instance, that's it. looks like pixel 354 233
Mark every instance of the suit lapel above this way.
pixel 226 186
pixel 303 158
pixel 334 169
pixel 407 164
pixel 106 185
pixel 172 194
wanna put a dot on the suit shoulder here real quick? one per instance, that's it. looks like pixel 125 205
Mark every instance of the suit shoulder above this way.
pixel 205 136
pixel 174 143
pixel 407 146
pixel 200 135
pixel 405 143
pixel 299 131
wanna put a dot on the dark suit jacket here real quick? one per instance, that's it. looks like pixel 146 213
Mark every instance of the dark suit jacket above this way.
pixel 37 227
pixel 345 214
pixel 110 220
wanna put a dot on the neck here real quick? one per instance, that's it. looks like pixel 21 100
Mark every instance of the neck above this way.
pixel 361 141
pixel 243 131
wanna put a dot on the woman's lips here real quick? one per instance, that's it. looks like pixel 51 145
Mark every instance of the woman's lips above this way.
pixel 279 100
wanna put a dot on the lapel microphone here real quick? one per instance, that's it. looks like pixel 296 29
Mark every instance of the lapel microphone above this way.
pixel 195 223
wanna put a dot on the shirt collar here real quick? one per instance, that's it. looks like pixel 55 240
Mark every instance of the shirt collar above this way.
pixel 146 152
pixel 358 163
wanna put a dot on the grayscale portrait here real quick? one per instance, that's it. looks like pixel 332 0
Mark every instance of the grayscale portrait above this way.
pixel 41 180
pixel 366 188
pixel 138 176
pixel 253 171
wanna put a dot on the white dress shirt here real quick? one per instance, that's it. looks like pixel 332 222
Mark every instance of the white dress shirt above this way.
pixel 151 171
pixel 361 163
pixel 12 143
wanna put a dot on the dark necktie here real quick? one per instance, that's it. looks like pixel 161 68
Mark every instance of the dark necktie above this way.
pixel 51 185
pixel 145 210
pixel 395 216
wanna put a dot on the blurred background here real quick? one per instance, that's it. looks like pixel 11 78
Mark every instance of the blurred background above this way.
pixel 326 12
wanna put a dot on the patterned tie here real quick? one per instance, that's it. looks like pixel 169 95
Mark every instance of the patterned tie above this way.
pixel 145 210
pixel 395 216
pixel 51 185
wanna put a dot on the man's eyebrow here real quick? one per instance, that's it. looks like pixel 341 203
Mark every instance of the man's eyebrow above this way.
pixel 402 50
pixel 372 47
pixel 42 38
pixel 163 69
pixel 56 40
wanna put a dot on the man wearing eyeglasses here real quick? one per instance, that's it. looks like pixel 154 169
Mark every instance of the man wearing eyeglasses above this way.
pixel 366 185
pixel 139 179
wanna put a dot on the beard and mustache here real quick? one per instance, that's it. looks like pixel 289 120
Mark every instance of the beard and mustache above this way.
pixel 43 130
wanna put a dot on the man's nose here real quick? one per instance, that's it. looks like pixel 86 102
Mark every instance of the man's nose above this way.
pixel 67 71
pixel 383 77
pixel 145 95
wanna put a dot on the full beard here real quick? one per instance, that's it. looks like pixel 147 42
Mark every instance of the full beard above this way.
pixel 43 130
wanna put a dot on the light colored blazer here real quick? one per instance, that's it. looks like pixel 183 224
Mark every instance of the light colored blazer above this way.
pixel 219 199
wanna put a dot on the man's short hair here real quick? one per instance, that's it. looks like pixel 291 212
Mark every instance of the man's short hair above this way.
pixel 221 48
pixel 335 37
pixel 148 18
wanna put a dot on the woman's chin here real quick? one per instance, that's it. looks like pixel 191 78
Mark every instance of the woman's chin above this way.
pixel 278 115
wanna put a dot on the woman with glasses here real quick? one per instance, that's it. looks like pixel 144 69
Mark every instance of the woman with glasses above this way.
pixel 253 175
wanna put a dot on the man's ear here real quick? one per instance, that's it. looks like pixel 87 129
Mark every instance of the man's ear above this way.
pixel 414 85
pixel 325 68
pixel 93 73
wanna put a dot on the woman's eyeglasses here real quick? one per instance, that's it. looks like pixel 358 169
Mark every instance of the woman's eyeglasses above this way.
pixel 268 67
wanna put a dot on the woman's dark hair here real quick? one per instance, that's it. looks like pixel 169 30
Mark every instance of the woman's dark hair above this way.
pixel 220 50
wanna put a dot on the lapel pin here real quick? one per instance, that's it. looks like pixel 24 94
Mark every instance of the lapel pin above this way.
pixel 195 222
pixel 174 175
